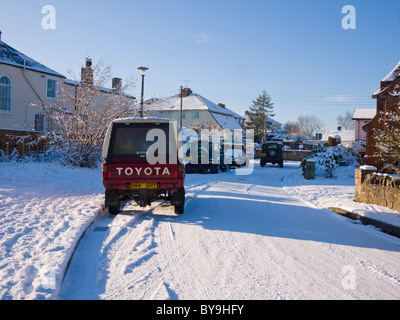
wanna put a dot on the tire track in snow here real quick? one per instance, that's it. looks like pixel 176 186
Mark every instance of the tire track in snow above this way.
pixel 123 246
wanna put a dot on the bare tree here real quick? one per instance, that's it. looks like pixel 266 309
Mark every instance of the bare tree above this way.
pixel 82 113
pixel 291 128
pixel 309 125
pixel 208 127
pixel 346 121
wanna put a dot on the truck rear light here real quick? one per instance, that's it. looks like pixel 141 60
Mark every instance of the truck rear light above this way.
pixel 181 170
pixel 104 171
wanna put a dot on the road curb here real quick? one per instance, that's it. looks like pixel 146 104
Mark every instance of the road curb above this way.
pixel 385 227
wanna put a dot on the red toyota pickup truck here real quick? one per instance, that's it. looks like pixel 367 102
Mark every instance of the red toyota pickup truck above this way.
pixel 141 163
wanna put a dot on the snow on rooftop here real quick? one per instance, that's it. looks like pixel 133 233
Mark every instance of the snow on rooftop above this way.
pixel 226 122
pixel 107 90
pixel 345 135
pixel 11 56
pixel 364 114
pixel 193 101
pixel 393 74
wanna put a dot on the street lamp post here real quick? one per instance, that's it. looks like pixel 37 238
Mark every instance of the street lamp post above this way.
pixel 142 73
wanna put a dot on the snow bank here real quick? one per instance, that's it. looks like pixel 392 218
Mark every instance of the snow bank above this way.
pixel 44 209
pixel 365 167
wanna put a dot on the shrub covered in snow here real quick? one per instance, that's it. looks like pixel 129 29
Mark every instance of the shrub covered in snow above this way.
pixel 327 159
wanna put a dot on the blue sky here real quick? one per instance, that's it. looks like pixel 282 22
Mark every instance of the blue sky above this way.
pixel 229 50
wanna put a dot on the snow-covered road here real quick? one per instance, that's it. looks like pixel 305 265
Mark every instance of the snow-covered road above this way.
pixel 241 237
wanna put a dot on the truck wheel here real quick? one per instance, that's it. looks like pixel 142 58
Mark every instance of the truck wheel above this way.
pixel 113 211
pixel 214 168
pixel 112 202
pixel 179 209
pixel 179 201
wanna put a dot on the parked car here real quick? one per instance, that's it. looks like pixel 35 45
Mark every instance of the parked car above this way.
pixel 234 155
pixel 271 152
pixel 130 172
pixel 208 157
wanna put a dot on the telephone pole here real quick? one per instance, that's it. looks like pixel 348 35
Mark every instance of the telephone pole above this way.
pixel 180 122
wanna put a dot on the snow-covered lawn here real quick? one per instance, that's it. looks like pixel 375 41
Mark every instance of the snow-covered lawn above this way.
pixel 260 236
pixel 336 192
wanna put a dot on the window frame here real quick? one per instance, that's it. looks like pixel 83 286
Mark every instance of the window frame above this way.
pixel 43 124
pixel 11 94
pixel 196 115
pixel 55 90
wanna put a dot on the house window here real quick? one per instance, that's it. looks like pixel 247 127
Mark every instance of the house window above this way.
pixel 183 114
pixel 196 115
pixel 5 93
pixel 39 122
pixel 51 89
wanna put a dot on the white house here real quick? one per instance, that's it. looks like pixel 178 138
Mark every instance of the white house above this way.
pixel 23 82
pixel 196 111
pixel 361 118
pixel 27 88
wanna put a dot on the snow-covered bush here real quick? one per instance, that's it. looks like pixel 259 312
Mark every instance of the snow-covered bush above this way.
pixel 71 152
pixel 327 159
pixel 11 157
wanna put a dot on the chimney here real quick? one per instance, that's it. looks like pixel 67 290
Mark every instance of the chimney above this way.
pixel 221 105
pixel 186 92
pixel 339 128
pixel 87 73
pixel 116 84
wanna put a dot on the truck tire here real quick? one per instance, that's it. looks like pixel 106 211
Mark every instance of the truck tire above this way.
pixel 112 202
pixel 179 209
pixel 179 201
pixel 113 211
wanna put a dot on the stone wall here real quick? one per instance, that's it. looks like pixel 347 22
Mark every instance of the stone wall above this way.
pixel 296 155
pixel 380 189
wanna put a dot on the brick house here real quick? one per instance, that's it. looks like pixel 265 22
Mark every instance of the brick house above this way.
pixel 387 98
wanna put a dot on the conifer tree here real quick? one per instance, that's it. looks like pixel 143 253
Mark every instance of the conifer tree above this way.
pixel 260 114
pixel 387 140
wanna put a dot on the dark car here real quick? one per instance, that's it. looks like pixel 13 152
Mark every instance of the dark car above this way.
pixel 130 173
pixel 208 156
pixel 271 152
